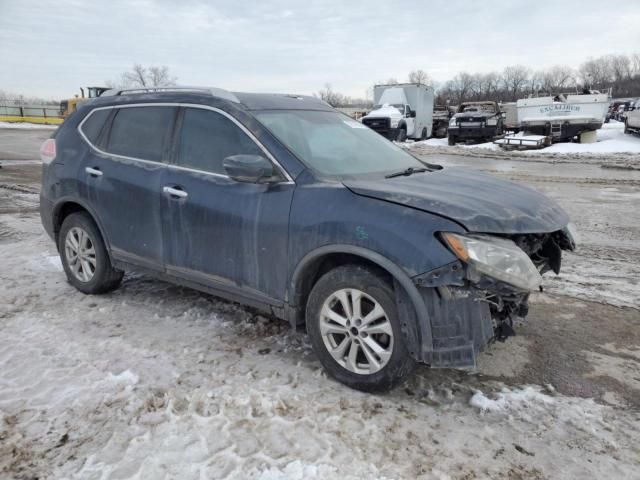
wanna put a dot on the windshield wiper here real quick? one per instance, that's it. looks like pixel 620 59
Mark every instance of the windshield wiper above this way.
pixel 407 172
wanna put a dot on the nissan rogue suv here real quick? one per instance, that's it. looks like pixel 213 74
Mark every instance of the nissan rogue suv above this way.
pixel 282 203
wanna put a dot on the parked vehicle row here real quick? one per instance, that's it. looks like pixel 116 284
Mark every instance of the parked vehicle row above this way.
pixel 282 203
pixel 618 109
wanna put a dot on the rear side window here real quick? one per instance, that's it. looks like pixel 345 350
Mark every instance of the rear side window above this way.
pixel 208 137
pixel 94 124
pixel 141 132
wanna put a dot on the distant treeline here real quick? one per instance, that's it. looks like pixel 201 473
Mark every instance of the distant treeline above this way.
pixel 621 73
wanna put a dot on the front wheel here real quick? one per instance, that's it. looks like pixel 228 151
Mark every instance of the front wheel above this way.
pixel 354 328
pixel 451 140
pixel 402 135
pixel 626 127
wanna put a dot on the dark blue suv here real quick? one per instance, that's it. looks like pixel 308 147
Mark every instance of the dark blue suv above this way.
pixel 284 204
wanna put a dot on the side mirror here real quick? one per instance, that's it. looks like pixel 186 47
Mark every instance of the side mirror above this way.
pixel 412 114
pixel 248 168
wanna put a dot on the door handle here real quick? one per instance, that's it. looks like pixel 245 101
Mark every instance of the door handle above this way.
pixel 94 172
pixel 175 192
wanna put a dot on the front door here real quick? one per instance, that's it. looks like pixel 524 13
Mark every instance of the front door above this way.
pixel 220 232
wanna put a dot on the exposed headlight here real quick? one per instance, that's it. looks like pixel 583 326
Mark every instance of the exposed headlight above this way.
pixel 573 232
pixel 452 122
pixel 394 122
pixel 492 122
pixel 496 257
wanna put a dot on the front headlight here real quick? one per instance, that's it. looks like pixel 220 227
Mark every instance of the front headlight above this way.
pixel 394 122
pixel 452 122
pixel 496 257
pixel 492 122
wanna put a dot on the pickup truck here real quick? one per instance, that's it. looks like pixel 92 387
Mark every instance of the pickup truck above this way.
pixel 476 121
pixel 632 121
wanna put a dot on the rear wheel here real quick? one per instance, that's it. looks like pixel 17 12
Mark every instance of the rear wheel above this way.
pixel 354 328
pixel 423 135
pixel 84 255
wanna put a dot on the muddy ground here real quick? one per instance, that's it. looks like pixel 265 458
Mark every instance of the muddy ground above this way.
pixel 191 362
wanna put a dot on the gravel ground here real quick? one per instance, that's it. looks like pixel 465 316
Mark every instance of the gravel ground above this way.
pixel 158 381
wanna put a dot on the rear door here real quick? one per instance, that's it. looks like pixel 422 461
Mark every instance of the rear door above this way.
pixel 220 232
pixel 125 176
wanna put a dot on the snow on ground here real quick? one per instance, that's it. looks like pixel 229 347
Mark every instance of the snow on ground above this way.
pixel 610 139
pixel 158 381
pixel 25 125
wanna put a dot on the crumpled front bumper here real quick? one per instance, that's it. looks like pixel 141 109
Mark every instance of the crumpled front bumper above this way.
pixel 467 310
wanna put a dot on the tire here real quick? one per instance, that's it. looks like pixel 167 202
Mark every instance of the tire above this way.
pixel 626 128
pixel 451 140
pixel 423 135
pixel 369 371
pixel 401 136
pixel 95 274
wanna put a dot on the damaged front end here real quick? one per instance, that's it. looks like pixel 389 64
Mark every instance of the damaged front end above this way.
pixel 476 299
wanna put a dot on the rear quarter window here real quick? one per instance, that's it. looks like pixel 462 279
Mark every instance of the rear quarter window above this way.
pixel 94 125
pixel 141 132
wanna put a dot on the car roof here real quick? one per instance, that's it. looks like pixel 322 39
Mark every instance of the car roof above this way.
pixel 211 96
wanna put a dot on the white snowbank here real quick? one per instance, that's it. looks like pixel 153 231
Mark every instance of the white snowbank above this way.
pixel 24 125
pixel 610 139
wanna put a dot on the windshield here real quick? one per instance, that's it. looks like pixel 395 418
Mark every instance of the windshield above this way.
pixel 334 144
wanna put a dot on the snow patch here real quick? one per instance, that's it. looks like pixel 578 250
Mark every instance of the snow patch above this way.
pixel 509 400
pixel 126 377
pixel 25 125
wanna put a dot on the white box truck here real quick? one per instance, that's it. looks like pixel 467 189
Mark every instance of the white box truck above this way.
pixel 401 111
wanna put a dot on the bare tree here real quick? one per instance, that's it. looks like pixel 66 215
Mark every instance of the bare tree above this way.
pixel 596 72
pixel 327 94
pixel 141 76
pixel 392 81
pixel 557 78
pixel 620 67
pixel 515 77
pixel 635 63
pixel 419 76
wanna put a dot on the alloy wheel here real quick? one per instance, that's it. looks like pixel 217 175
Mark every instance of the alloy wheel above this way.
pixel 356 331
pixel 80 254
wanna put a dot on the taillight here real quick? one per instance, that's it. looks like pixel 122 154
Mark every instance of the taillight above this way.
pixel 48 151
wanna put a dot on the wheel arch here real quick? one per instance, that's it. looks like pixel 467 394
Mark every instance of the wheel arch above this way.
pixel 65 207
pixel 317 262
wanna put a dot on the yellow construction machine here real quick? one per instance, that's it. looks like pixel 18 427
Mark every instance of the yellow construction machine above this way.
pixel 67 107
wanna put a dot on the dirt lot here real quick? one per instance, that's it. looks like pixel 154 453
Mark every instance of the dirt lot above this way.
pixel 157 381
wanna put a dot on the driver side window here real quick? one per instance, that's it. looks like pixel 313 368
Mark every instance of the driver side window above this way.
pixel 207 138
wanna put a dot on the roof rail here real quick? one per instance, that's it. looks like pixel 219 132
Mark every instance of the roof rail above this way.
pixel 214 92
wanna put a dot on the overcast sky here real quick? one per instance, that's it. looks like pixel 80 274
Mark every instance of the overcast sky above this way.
pixel 52 47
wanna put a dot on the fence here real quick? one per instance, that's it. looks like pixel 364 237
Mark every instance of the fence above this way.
pixel 48 114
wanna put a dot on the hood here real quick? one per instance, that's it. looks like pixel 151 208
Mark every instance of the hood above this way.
pixel 386 111
pixel 479 202
pixel 475 115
